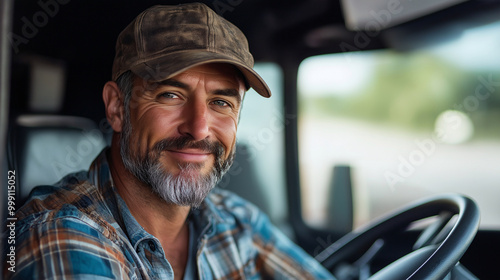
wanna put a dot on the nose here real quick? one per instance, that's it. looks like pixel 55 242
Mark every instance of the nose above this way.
pixel 195 121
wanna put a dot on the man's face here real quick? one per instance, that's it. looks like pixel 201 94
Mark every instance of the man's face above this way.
pixel 181 134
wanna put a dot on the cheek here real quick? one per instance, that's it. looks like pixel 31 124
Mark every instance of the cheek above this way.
pixel 226 133
pixel 152 125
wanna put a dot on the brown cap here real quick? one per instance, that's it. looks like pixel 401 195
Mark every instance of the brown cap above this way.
pixel 164 41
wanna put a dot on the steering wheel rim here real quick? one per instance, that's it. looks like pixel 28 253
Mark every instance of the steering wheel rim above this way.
pixel 442 259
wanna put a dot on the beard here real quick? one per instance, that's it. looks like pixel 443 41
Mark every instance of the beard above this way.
pixel 189 187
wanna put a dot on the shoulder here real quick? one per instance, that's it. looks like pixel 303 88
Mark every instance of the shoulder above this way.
pixel 71 199
pixel 51 196
pixel 258 238
pixel 231 207
pixel 66 224
pixel 66 246
pixel 240 216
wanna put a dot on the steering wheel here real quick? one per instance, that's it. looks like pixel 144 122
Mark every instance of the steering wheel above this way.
pixel 437 250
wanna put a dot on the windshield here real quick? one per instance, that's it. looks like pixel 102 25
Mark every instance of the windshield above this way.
pixel 409 124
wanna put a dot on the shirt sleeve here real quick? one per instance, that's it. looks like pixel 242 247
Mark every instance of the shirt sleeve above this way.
pixel 66 248
pixel 280 257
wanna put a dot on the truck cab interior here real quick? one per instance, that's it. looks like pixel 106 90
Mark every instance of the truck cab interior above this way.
pixel 378 153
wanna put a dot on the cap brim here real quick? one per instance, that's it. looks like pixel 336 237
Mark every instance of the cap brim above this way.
pixel 167 66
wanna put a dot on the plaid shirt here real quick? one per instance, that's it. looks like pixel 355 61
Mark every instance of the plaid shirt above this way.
pixel 81 229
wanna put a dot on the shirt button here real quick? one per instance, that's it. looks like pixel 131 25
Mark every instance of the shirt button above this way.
pixel 152 245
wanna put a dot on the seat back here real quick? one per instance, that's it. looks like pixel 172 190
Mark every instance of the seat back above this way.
pixel 44 148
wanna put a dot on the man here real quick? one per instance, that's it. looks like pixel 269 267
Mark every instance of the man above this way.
pixel 146 208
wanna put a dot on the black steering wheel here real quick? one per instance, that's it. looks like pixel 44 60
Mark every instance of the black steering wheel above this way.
pixel 437 250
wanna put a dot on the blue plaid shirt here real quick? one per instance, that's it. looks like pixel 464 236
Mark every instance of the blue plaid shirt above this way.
pixel 81 229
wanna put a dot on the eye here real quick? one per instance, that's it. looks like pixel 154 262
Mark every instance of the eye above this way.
pixel 221 103
pixel 168 95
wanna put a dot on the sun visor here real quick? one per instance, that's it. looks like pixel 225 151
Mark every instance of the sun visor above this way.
pixel 361 15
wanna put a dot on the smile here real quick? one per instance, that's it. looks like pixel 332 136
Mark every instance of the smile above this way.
pixel 192 155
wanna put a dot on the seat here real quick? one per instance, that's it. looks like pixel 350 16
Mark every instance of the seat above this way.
pixel 44 148
pixel 242 179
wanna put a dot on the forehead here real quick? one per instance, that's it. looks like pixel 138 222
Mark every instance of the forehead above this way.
pixel 228 76
pixel 220 69
pixel 222 72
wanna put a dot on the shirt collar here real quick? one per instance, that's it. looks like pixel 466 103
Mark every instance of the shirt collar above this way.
pixel 100 176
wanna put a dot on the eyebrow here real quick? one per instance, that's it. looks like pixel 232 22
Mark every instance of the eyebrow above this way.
pixel 229 93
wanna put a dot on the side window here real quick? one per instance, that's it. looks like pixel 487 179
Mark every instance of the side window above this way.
pixel 258 172
pixel 408 124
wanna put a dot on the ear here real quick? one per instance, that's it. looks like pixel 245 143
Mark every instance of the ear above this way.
pixel 114 107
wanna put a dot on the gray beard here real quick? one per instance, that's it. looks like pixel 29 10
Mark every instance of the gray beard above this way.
pixel 184 189
pixel 181 189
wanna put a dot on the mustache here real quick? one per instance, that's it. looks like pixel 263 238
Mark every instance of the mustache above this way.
pixel 184 142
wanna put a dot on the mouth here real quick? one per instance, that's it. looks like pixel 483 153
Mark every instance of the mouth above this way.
pixel 190 155
pixel 185 150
